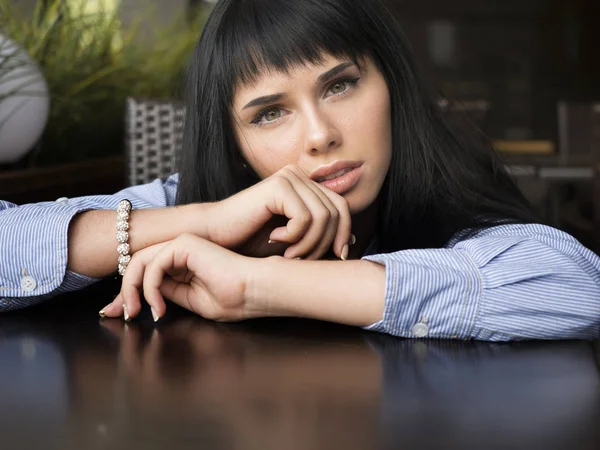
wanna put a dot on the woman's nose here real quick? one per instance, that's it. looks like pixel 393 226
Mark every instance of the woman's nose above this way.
pixel 322 134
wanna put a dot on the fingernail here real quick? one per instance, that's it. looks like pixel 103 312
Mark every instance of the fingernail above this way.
pixel 101 312
pixel 345 251
pixel 298 257
pixel 154 315
pixel 352 239
pixel 125 313
pixel 272 242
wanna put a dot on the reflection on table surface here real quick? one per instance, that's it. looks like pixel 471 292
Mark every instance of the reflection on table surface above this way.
pixel 70 380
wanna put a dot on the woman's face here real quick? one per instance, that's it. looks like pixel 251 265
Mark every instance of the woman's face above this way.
pixel 334 116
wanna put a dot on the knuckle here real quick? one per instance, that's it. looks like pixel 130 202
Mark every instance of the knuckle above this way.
pixel 136 258
pixel 344 203
pixel 296 170
pixel 280 181
pixel 322 215
pixel 303 221
pixel 341 204
pixel 188 237
pixel 306 217
pixel 285 171
pixel 184 236
pixel 291 168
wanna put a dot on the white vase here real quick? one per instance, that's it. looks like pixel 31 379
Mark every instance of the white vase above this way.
pixel 24 113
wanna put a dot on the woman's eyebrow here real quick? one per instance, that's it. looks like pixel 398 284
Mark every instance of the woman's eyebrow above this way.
pixel 273 98
pixel 265 100
pixel 333 72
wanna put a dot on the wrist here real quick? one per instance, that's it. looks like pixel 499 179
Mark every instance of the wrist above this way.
pixel 347 292
pixel 259 291
pixel 197 218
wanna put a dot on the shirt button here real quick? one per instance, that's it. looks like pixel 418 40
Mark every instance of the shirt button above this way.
pixel 28 283
pixel 420 330
pixel 62 200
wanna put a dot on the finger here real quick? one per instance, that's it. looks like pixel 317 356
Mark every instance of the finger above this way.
pixel 171 258
pixel 132 283
pixel 323 242
pixel 287 202
pixel 114 308
pixel 178 293
pixel 131 286
pixel 321 231
pixel 343 235
pixel 340 204
pixel 336 229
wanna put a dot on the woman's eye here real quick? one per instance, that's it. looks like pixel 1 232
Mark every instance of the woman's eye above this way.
pixel 268 115
pixel 339 87
pixel 272 114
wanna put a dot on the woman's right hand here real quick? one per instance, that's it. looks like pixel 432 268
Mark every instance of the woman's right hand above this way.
pixel 317 218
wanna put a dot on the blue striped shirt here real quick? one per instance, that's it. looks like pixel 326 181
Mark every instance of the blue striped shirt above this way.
pixel 504 283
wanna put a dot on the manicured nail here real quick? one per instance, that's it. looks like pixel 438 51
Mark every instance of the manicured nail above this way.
pixel 345 251
pixel 154 315
pixel 352 239
pixel 125 313
pixel 101 313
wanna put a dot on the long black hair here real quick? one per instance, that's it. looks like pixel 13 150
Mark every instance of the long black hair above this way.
pixel 438 183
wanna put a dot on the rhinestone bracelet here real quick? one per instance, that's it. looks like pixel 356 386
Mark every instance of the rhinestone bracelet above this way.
pixel 123 211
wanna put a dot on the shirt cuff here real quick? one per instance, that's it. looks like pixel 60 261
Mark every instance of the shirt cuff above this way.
pixel 38 264
pixel 426 299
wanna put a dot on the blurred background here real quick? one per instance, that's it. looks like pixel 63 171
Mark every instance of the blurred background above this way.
pixel 89 92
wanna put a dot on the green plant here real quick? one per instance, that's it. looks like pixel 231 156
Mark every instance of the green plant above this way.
pixel 92 63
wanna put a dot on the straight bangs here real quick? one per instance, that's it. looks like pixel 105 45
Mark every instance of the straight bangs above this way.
pixel 255 36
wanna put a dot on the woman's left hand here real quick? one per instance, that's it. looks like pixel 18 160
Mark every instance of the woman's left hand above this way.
pixel 194 273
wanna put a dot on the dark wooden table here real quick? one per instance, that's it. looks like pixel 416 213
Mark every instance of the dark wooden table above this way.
pixel 72 381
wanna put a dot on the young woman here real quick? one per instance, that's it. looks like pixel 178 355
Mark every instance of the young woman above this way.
pixel 318 179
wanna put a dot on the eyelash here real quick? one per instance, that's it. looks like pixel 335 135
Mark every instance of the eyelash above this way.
pixel 352 82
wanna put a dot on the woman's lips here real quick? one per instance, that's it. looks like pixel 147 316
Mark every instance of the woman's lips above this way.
pixel 344 183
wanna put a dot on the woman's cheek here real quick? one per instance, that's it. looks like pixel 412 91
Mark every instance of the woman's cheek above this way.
pixel 267 156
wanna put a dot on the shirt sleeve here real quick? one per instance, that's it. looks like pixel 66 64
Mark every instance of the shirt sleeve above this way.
pixel 33 239
pixel 510 282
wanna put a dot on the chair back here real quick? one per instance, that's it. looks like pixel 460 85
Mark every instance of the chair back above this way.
pixel 154 133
